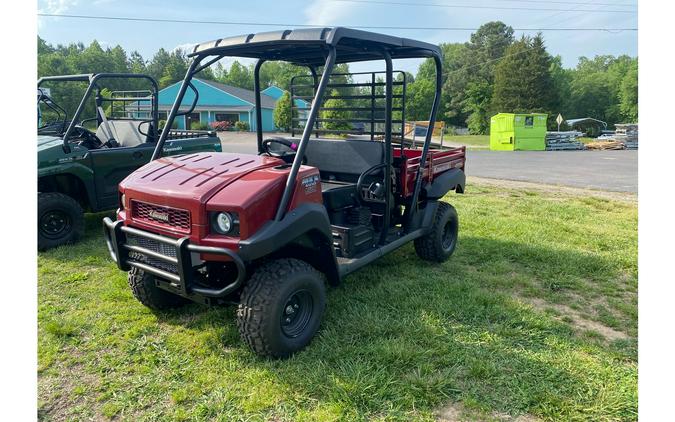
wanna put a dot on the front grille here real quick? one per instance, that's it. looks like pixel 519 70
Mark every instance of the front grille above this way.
pixel 172 218
pixel 154 246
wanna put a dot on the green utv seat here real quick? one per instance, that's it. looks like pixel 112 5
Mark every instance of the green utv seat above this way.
pixel 125 132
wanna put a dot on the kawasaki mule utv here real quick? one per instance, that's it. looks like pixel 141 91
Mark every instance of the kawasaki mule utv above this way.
pixel 265 231
pixel 82 159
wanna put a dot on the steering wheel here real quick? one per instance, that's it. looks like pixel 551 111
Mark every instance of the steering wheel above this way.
pixel 286 153
pixel 376 190
pixel 85 137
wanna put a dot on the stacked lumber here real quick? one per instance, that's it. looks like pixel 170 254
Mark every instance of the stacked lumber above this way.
pixel 559 141
pixel 627 134
pixel 605 145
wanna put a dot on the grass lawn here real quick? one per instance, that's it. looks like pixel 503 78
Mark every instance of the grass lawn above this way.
pixel 471 141
pixel 534 315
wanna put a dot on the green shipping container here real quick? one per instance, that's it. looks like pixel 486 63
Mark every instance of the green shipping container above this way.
pixel 518 132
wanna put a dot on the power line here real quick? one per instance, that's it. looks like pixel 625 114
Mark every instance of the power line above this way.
pixel 566 3
pixel 455 6
pixel 545 20
pixel 287 25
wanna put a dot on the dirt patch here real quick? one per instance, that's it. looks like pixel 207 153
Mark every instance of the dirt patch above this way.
pixel 57 393
pixel 456 412
pixel 577 320
pixel 553 189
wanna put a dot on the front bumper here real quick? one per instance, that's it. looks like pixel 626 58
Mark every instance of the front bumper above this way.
pixel 180 281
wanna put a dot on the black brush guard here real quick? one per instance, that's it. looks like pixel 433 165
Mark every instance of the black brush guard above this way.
pixel 181 282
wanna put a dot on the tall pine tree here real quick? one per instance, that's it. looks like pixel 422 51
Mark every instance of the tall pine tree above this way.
pixel 523 81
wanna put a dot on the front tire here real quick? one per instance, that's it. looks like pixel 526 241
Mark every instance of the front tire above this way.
pixel 440 242
pixel 145 291
pixel 60 220
pixel 281 307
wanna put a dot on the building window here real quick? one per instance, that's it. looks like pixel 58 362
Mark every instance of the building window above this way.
pixel 190 119
pixel 227 117
pixel 162 115
pixel 529 121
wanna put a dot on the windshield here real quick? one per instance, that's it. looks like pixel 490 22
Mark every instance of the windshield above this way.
pixel 110 98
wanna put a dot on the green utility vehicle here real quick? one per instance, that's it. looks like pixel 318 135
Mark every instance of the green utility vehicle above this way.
pixel 83 157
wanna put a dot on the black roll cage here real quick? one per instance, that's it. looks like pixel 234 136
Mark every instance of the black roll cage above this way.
pixel 92 79
pixel 375 46
pixel 62 115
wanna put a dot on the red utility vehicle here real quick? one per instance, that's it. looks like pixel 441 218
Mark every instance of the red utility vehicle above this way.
pixel 266 231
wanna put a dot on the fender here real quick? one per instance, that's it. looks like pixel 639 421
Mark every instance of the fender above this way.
pixel 77 170
pixel 453 179
pixel 310 221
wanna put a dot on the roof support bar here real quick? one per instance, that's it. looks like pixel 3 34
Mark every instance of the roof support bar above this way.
pixel 315 79
pixel 92 78
pixel 174 109
pixel 258 109
pixel 207 64
pixel 389 86
pixel 306 133
pixel 80 108
pixel 427 141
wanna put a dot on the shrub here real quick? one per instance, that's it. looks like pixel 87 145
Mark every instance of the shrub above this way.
pixel 241 126
pixel 162 123
pixel 282 112
pixel 199 126
pixel 220 126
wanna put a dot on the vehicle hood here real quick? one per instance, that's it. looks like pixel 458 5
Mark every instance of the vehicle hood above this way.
pixel 186 180
pixel 46 141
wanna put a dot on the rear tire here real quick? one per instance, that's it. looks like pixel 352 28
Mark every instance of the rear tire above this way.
pixel 440 242
pixel 145 291
pixel 281 307
pixel 60 220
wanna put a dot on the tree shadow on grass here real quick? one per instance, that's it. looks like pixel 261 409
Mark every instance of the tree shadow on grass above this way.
pixel 403 334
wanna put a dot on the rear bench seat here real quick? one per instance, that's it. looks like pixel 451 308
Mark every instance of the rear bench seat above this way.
pixel 343 159
pixel 341 162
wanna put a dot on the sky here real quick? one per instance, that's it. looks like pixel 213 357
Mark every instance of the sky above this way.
pixel 147 38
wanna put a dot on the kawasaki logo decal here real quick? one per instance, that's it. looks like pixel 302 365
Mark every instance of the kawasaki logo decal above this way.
pixel 158 215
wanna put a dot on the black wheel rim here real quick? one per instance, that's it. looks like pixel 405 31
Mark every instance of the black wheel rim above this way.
pixel 55 224
pixel 296 313
pixel 449 235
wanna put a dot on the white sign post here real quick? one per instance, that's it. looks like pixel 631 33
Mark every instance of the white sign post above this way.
pixel 559 120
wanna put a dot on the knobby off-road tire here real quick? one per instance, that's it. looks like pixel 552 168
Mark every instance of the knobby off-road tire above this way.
pixel 281 307
pixel 60 220
pixel 440 242
pixel 144 289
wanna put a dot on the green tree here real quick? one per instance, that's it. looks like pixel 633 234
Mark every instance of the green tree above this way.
pixel 523 82
pixel 474 64
pixel 137 63
pixel 477 104
pixel 282 112
pixel 427 71
pixel 174 69
pixel 239 75
pixel 597 88
pixel 629 94
pixel 420 98
pixel 562 84
pixel 332 115
pixel 279 74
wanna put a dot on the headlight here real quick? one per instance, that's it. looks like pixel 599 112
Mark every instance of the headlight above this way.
pixel 123 201
pixel 225 223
